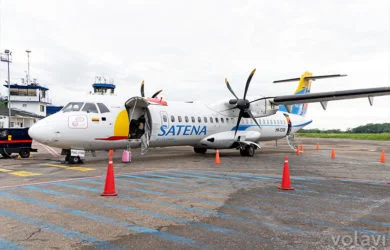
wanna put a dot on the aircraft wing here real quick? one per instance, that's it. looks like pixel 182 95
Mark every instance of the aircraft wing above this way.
pixel 324 97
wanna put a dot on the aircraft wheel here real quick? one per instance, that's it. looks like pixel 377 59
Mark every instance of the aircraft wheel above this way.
pixel 243 152
pixel 247 151
pixel 200 150
pixel 24 153
pixel 74 160
pixel 250 151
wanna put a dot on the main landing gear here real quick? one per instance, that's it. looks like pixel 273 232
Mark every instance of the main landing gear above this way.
pixel 247 150
pixel 200 150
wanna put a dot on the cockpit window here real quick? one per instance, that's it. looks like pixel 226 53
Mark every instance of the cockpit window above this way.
pixel 103 108
pixel 90 108
pixel 72 106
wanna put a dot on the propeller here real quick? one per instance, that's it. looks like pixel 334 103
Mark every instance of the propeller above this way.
pixel 143 92
pixel 242 104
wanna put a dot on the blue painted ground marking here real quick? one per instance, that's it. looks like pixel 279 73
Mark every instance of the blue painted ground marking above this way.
pixel 212 179
pixel 212 213
pixel 219 204
pixel 8 245
pixel 169 182
pixel 136 210
pixel 103 219
pixel 74 235
pixel 184 190
pixel 175 178
pixel 202 211
pixel 231 174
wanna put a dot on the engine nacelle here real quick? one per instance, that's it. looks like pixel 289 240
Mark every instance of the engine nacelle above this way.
pixel 227 139
pixel 263 108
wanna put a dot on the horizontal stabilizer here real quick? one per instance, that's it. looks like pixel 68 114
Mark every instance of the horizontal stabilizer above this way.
pixel 330 96
pixel 309 78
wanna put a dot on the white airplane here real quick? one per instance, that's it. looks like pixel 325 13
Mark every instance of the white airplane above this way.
pixel 238 123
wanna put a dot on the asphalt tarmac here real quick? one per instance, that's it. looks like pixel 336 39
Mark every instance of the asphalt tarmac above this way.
pixel 172 198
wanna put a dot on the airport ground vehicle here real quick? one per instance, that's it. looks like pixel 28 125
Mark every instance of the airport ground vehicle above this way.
pixel 15 140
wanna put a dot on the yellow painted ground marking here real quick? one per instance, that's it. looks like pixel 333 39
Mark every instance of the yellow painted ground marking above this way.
pixel 81 169
pixel 70 168
pixel 5 170
pixel 24 173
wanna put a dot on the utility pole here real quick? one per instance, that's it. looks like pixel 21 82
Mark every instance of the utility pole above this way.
pixel 5 57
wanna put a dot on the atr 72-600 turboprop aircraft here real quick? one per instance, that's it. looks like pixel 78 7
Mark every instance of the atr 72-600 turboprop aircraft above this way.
pixel 239 123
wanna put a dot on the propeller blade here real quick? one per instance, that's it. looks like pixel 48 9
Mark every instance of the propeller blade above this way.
pixel 253 118
pixel 156 94
pixel 142 89
pixel 248 82
pixel 231 91
pixel 238 121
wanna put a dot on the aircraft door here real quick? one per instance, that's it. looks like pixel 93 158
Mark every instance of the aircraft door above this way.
pixel 288 124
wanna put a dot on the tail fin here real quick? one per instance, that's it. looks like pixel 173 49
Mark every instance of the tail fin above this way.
pixel 304 86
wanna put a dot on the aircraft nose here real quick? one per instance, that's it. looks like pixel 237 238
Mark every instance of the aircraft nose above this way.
pixel 40 131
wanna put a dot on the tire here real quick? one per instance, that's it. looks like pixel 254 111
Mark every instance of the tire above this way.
pixel 4 153
pixel 200 150
pixel 250 151
pixel 74 160
pixel 24 153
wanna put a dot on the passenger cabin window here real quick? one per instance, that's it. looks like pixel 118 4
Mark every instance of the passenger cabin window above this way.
pixel 205 119
pixel 216 120
pixel 192 119
pixel 211 120
pixel 227 120
pixel 222 120
pixel 72 106
pixel 186 118
pixel 199 119
pixel 90 108
pixel 179 118
pixel 103 108
pixel 165 119
pixel 172 118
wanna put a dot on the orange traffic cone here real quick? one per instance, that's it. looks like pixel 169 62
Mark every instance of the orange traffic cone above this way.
pixel 286 177
pixel 383 159
pixel 333 154
pixel 109 188
pixel 217 160
pixel 111 152
pixel 317 146
pixel 297 151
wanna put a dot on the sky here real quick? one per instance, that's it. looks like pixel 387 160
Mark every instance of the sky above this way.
pixel 187 48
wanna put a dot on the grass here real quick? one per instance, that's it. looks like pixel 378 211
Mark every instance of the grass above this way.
pixel 377 137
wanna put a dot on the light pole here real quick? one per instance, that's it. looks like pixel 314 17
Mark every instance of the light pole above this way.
pixel 28 66
pixel 5 57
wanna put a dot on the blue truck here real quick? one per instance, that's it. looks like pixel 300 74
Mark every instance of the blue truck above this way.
pixel 15 141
